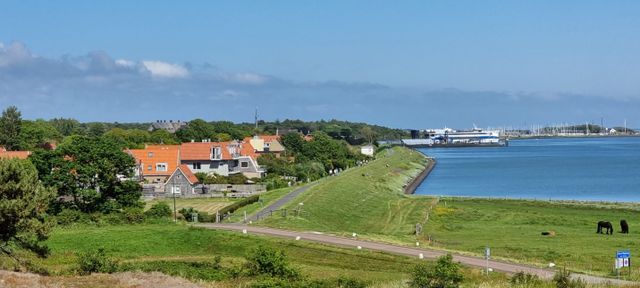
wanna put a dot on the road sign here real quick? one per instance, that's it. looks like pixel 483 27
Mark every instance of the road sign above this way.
pixel 623 259
pixel 487 252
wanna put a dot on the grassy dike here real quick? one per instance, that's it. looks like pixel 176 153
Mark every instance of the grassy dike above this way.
pixel 367 200
pixel 374 206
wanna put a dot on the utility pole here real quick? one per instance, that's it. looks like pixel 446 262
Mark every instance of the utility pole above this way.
pixel 256 118
pixel 175 213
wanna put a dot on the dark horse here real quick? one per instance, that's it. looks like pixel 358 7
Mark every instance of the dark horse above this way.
pixel 605 225
pixel 624 226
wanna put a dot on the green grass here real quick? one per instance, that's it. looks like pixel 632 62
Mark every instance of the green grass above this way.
pixel 209 205
pixel 366 200
pixel 374 207
pixel 265 200
pixel 512 228
pixel 181 244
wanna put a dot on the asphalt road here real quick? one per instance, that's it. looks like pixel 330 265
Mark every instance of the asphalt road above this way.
pixel 281 202
pixel 408 251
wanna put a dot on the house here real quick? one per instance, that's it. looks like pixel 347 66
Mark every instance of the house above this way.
pixel 169 126
pixel 367 150
pixel 222 158
pixel 182 182
pixel 155 163
pixel 4 154
pixel 264 144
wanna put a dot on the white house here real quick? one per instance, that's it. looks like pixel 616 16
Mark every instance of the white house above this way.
pixel 367 150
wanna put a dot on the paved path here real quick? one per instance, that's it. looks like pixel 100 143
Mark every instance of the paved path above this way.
pixel 415 252
pixel 281 202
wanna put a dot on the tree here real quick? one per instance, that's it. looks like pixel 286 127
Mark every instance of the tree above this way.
pixel 66 127
pixel 293 142
pixel 10 126
pixel 368 134
pixel 36 133
pixel 445 274
pixel 88 170
pixel 197 130
pixel 23 204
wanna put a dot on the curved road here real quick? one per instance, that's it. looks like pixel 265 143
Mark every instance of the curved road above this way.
pixel 408 251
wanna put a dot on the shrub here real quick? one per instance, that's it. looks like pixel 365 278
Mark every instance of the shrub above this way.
pixel 96 261
pixel 271 262
pixel 239 204
pixel 70 216
pixel 159 210
pixel 133 215
pixel 562 279
pixel 445 274
pixel 187 213
pixel 522 279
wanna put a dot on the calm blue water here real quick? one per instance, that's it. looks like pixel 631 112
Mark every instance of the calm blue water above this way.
pixel 606 169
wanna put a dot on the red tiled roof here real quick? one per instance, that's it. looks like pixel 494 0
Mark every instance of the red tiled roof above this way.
pixel 154 154
pixel 202 150
pixel 187 173
pixel 14 154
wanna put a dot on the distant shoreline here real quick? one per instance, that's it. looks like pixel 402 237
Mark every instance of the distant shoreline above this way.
pixel 571 137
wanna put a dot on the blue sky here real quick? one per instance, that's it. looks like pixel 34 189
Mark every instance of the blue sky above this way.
pixel 396 63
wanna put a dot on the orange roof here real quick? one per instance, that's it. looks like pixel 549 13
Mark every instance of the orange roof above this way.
pixel 202 150
pixel 187 173
pixel 14 154
pixel 152 155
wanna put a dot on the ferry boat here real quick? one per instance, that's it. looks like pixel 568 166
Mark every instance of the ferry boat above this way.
pixel 451 138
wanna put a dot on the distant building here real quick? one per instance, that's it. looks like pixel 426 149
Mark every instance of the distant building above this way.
pixel 367 150
pixel 266 144
pixel 169 126
pixel 4 154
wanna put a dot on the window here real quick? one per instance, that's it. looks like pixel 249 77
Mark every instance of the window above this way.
pixel 196 165
pixel 150 154
pixel 161 167
pixel 149 168
pixel 244 164
pixel 216 153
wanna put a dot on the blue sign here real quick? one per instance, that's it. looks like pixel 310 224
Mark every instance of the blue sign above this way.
pixel 623 254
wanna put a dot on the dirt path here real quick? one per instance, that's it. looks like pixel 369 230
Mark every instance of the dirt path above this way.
pixel 408 251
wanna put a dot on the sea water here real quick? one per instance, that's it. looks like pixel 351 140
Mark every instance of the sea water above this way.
pixel 595 169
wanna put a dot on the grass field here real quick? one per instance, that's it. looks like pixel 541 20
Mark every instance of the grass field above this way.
pixel 373 206
pixel 209 205
pixel 366 200
pixel 265 200
pixel 512 228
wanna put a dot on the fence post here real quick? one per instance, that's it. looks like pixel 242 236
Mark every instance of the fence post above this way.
pixel 245 217
pixel 217 216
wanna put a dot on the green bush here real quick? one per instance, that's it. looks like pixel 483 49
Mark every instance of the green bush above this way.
pixel 96 261
pixel 159 210
pixel 562 279
pixel 445 274
pixel 268 261
pixel 187 213
pixel 133 215
pixel 239 204
pixel 522 279
pixel 70 216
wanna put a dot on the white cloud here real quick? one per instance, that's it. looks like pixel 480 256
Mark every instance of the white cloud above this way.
pixel 245 78
pixel 14 53
pixel 125 63
pixel 165 70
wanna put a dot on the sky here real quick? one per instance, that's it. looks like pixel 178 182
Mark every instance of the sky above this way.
pixel 404 64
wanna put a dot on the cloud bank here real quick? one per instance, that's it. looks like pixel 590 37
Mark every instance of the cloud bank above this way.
pixel 96 87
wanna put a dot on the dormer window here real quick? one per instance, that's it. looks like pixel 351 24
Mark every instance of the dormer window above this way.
pixel 150 154
pixel 216 153
pixel 161 167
